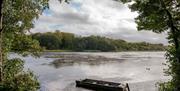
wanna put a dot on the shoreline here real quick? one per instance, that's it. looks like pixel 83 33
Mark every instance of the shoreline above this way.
pixel 101 51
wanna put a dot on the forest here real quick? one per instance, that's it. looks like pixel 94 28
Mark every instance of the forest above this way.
pixel 69 41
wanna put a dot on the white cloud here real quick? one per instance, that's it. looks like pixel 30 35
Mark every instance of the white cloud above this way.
pixel 94 17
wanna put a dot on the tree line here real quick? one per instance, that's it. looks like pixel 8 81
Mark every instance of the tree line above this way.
pixel 69 41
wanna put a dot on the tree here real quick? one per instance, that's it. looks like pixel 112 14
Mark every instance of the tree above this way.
pixel 48 40
pixel 16 18
pixel 162 16
pixel 67 40
pixel 1 59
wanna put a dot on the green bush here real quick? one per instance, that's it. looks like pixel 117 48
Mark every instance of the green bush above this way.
pixel 16 79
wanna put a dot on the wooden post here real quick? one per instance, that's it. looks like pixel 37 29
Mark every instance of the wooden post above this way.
pixel 127 86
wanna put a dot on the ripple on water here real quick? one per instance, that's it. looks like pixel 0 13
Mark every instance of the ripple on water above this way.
pixel 123 67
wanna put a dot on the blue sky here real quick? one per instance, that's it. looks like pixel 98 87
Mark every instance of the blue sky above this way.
pixel 95 17
pixel 47 12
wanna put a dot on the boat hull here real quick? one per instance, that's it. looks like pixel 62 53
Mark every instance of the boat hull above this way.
pixel 100 85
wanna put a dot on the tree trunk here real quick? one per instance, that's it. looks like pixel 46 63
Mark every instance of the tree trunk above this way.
pixel 173 30
pixel 1 52
pixel 1 59
pixel 174 34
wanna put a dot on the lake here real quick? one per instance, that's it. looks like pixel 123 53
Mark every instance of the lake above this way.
pixel 57 71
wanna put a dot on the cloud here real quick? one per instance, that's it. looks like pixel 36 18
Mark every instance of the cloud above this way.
pixel 94 17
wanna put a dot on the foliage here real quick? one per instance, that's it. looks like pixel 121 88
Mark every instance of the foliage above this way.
pixel 165 86
pixel 162 16
pixel 16 79
pixel 68 41
pixel 18 18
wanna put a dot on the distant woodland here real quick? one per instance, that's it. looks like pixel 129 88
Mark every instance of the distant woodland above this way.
pixel 69 41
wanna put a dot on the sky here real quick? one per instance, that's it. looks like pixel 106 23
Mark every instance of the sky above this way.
pixel 95 17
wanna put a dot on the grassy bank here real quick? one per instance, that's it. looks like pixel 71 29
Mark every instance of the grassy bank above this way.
pixel 58 51
pixel 99 51
pixel 72 51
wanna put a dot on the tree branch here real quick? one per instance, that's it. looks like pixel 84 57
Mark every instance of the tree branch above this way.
pixel 173 29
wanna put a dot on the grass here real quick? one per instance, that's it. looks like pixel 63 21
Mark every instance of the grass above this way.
pixel 58 50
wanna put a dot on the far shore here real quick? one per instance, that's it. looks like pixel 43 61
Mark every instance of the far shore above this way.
pixel 100 51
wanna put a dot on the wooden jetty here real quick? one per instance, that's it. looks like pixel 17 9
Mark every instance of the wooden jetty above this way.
pixel 99 85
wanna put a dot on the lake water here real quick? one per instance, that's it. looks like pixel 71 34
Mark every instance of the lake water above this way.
pixel 142 70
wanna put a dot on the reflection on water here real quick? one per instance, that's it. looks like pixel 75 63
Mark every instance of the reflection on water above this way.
pixel 71 59
pixel 58 71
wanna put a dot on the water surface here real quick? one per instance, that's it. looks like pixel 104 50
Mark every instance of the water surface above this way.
pixel 140 69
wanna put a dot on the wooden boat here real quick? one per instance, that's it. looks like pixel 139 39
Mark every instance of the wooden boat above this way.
pixel 98 85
